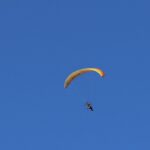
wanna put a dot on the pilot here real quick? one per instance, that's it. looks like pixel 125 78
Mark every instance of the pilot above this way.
pixel 89 106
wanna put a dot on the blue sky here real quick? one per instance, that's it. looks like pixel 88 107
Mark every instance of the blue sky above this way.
pixel 42 42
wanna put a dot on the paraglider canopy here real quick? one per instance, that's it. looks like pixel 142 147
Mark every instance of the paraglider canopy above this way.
pixel 77 73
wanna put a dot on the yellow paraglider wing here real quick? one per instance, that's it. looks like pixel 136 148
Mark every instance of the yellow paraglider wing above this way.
pixel 75 74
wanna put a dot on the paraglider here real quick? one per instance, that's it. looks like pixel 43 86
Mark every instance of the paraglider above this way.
pixel 79 72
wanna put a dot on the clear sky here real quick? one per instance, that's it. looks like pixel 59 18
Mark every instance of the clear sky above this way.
pixel 41 42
